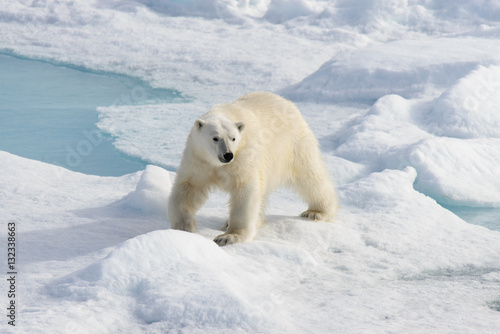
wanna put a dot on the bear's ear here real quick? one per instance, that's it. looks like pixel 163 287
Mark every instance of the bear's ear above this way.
pixel 199 123
pixel 240 126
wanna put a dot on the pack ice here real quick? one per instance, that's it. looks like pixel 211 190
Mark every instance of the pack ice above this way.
pixel 403 97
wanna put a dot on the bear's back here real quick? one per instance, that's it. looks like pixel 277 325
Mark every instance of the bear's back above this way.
pixel 265 105
pixel 267 112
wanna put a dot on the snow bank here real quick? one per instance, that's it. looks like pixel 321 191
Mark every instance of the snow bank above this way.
pixel 203 8
pixel 373 135
pixel 469 108
pixel 151 193
pixel 392 134
pixel 458 172
pixel 400 221
pixel 393 68
pixel 177 278
pixel 284 10
pixel 39 184
pixel 387 18
pixel 275 11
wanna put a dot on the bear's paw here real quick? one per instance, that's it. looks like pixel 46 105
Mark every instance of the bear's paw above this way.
pixel 313 215
pixel 228 239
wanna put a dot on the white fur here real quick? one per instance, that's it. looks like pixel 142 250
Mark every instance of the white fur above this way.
pixel 272 146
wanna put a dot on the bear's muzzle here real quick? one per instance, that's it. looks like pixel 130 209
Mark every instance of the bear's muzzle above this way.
pixel 226 158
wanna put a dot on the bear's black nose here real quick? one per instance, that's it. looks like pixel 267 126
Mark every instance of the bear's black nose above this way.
pixel 228 157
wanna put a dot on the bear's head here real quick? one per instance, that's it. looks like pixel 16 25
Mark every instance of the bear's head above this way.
pixel 217 138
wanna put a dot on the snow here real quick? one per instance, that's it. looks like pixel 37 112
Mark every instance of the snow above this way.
pixel 468 109
pixel 197 263
pixel 403 98
pixel 151 192
pixel 454 171
pixel 369 73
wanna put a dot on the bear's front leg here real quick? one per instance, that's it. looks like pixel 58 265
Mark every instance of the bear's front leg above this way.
pixel 243 216
pixel 185 199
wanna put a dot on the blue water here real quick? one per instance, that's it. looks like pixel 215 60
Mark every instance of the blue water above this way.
pixel 487 217
pixel 48 113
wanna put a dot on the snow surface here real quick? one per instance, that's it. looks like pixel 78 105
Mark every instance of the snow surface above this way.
pixel 403 97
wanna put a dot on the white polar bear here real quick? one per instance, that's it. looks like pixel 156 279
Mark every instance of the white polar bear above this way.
pixel 249 148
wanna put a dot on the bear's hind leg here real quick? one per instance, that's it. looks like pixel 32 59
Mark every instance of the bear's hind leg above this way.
pixel 314 185
pixel 322 203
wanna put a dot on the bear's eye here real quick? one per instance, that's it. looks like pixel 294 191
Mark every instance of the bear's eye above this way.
pixel 215 139
pixel 234 139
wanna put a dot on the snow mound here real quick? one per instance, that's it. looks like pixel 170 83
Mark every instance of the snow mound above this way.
pixel 372 15
pixel 151 193
pixel 178 278
pixel 391 68
pixel 284 10
pixel 391 134
pixel 393 218
pixel 383 18
pixel 458 172
pixel 372 136
pixel 469 108
pixel 203 8
pixel 275 11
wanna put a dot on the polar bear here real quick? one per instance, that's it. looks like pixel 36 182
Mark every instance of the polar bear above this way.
pixel 248 148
